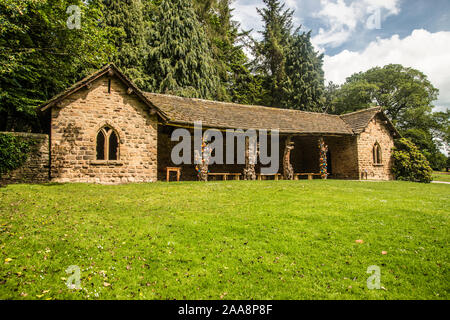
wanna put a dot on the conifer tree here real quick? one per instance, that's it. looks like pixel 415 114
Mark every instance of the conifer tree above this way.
pixel 129 33
pixel 237 83
pixel 271 51
pixel 180 59
pixel 304 85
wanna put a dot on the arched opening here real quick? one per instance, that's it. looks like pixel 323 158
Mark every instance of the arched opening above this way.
pixel 377 154
pixel 107 144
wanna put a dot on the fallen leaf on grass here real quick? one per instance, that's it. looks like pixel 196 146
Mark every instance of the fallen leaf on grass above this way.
pixel 359 241
pixel 8 260
pixel 106 284
pixel 383 252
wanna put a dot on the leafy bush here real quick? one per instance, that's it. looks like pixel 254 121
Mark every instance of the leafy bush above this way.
pixel 409 163
pixel 13 152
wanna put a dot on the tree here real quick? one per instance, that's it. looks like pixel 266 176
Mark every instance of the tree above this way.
pixel 128 34
pixel 271 51
pixel 405 94
pixel 40 56
pixel 426 143
pixel 304 84
pixel 179 57
pixel 330 95
pixel 237 82
pixel 291 68
pixel 441 129
pixel 351 96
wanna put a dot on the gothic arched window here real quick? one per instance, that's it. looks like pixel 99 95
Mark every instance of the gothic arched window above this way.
pixel 377 154
pixel 107 144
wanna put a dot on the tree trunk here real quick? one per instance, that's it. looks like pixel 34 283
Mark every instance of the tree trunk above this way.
pixel 288 170
pixel 203 162
pixel 251 154
pixel 323 148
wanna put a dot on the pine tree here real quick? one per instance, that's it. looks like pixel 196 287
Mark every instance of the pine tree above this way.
pixel 304 85
pixel 180 58
pixel 271 51
pixel 129 35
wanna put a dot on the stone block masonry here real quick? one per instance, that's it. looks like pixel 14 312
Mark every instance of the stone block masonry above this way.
pixel 376 132
pixel 76 122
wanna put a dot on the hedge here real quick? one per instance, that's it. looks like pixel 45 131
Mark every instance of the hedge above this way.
pixel 14 152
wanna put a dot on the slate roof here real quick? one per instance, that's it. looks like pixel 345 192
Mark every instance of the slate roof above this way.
pixel 185 111
pixel 213 114
pixel 359 120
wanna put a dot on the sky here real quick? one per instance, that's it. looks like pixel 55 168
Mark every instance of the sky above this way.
pixel 356 35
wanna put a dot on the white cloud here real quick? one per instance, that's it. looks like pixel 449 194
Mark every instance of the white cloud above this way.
pixel 247 16
pixel 422 50
pixel 293 4
pixel 342 19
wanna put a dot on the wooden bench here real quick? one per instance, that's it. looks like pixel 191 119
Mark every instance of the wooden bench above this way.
pixel 226 175
pixel 276 176
pixel 310 175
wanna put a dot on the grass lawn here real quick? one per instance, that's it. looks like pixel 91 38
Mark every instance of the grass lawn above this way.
pixel 226 240
pixel 441 176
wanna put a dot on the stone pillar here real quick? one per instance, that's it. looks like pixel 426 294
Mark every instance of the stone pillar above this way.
pixel 251 155
pixel 288 170
pixel 323 149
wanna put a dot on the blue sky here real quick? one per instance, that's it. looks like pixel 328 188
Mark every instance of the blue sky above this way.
pixel 356 35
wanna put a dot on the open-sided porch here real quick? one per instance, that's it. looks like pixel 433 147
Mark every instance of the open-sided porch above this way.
pixel 300 156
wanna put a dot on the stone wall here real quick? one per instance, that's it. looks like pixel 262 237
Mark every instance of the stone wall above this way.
pixel 376 131
pixel 76 122
pixel 344 157
pixel 36 167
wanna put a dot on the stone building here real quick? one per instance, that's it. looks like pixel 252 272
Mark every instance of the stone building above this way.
pixel 104 129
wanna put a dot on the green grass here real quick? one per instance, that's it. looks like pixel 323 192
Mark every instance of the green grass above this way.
pixel 441 176
pixel 225 240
